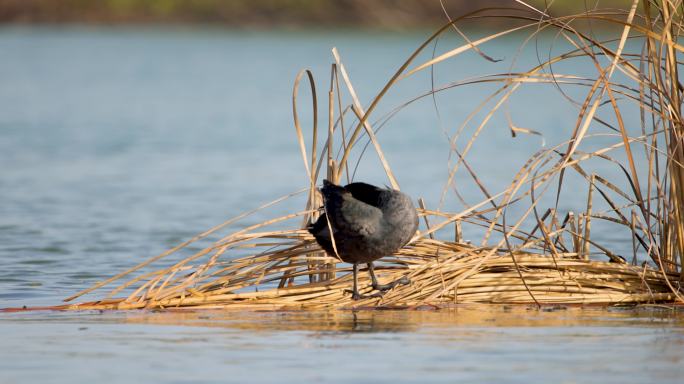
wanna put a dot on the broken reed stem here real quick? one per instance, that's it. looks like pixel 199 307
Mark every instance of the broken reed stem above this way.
pixel 587 220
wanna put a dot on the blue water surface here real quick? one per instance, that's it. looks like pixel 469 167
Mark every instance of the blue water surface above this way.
pixel 119 143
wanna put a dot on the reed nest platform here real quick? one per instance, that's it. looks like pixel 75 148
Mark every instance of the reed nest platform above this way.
pixel 295 274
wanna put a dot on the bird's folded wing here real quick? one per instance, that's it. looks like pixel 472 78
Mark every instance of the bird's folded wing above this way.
pixel 355 217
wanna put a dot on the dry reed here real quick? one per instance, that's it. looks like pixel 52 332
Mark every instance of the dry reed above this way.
pixel 539 257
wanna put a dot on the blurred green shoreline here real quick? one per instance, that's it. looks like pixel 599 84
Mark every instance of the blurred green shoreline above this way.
pixel 261 14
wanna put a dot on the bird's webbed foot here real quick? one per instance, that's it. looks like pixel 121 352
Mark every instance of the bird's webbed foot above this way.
pixel 386 287
pixel 358 296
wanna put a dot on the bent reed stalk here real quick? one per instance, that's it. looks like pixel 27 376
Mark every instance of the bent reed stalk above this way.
pixel 541 256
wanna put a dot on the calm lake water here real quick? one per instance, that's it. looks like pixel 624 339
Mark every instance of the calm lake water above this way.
pixel 116 144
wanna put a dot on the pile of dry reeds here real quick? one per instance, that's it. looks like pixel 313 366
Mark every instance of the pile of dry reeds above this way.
pixel 540 256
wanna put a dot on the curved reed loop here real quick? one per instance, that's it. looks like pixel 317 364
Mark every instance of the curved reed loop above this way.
pixel 530 251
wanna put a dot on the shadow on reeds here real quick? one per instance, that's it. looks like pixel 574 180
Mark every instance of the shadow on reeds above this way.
pixel 529 251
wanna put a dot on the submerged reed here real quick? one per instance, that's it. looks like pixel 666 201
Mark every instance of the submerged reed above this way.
pixel 540 256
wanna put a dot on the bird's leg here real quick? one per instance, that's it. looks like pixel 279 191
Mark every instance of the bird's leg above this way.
pixel 355 291
pixel 374 280
pixel 384 287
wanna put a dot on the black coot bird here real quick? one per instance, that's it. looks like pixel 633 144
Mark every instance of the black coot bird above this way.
pixel 367 223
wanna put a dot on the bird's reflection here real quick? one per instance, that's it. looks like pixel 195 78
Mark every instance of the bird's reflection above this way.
pixel 321 321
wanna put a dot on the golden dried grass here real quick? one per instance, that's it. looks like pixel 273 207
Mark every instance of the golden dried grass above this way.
pixel 535 258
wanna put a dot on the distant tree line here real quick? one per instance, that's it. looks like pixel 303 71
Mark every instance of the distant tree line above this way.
pixel 264 13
